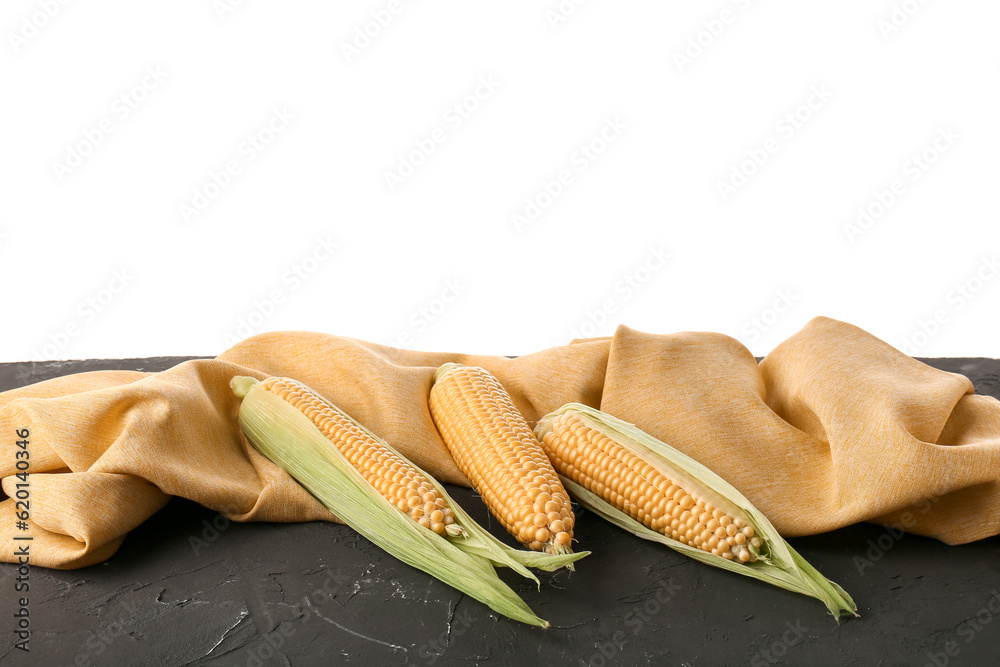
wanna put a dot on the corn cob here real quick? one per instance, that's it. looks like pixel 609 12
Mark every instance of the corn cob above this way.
pixel 291 425
pixel 623 479
pixel 657 493
pixel 392 476
pixel 496 450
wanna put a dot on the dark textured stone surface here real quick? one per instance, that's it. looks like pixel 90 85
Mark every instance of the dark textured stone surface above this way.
pixel 322 595
pixel 29 372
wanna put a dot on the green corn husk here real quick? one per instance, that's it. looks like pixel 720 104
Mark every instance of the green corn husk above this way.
pixel 778 563
pixel 466 561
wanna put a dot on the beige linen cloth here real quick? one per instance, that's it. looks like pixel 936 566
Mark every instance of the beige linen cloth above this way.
pixel 832 428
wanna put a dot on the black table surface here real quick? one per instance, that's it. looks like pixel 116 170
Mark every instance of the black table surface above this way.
pixel 190 588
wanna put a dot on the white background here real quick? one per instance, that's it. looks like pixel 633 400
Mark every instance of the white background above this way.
pixel 756 263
